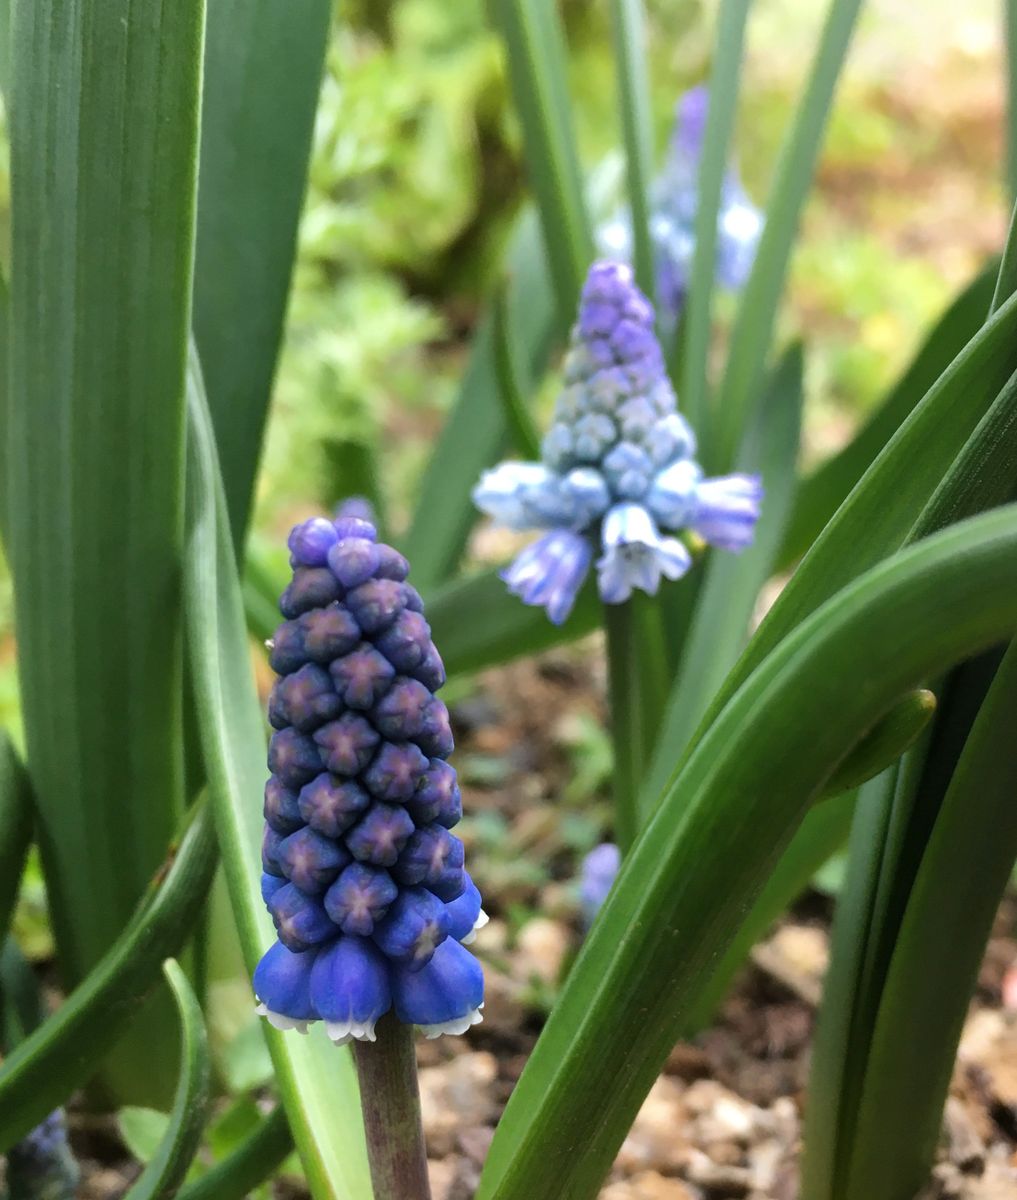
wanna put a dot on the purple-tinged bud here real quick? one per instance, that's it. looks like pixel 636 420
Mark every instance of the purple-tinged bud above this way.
pixel 431 671
pixel 445 996
pixel 406 642
pixel 391 564
pixel 310 860
pixel 360 897
pixel 400 714
pixel 433 858
pixel 312 587
pixel 347 745
pixel 353 560
pixel 380 835
pixel 328 632
pixel 270 843
pixel 362 677
pixel 726 510
pixel 395 772
pixel 376 604
pixel 350 989
pixel 348 525
pixel 415 926
pixel 293 757
pixel 437 798
pixel 300 920
pixel 549 572
pixel 310 542
pixel 270 884
pixel 600 867
pixel 288 651
pixel 282 807
pixel 356 506
pixel 41 1166
pixel 304 699
pixel 465 914
pixel 330 806
pixel 435 736
pixel 282 985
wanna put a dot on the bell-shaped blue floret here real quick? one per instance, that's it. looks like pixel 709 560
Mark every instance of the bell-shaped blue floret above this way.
pixel 727 509
pixel 415 925
pixel 549 572
pixel 635 555
pixel 282 984
pixel 465 914
pixel 445 996
pixel 350 989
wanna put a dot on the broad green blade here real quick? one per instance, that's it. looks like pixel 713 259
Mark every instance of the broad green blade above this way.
pixel 475 432
pixel 965 867
pixel 760 302
pixel 887 741
pixel 257 1157
pixel 706 853
pixel 16 822
pixel 728 594
pixel 104 130
pixel 628 27
pixel 725 77
pixel 65 1051
pixel 165 1171
pixel 821 493
pixel 263 64
pixel 316 1081
pixel 1006 281
pixel 537 70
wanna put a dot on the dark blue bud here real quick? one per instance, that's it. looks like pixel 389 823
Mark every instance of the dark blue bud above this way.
pixel 282 983
pixel 435 734
pixel 330 806
pixel 304 699
pixel 361 896
pixel 437 798
pixel 391 564
pixel 380 835
pixel 282 809
pixel 350 525
pixel 288 651
pixel 270 844
pixel 312 587
pixel 310 860
pixel 377 603
pixel 445 996
pixel 353 560
pixel 427 857
pixel 270 884
pixel 399 716
pixel 293 757
pixel 347 745
pixel 300 920
pixel 362 677
pixel 431 670
pixel 395 772
pixel 311 541
pixel 415 926
pixel 406 641
pixel 464 912
pixel 356 506
pixel 328 632
pixel 350 989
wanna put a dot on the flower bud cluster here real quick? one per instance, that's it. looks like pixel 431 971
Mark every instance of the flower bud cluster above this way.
pixel 617 466
pixel 363 878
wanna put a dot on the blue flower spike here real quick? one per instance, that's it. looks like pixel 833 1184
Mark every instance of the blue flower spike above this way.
pixel 364 882
pixel 618 467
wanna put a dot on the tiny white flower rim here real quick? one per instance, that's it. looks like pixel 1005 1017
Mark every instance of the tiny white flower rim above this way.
pixel 479 923
pixel 454 1027
pixel 280 1021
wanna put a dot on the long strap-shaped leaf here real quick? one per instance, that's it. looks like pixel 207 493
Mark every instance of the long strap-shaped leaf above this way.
pixel 16 820
pixel 104 131
pixel 316 1082
pixel 165 1171
pixel 263 65
pixel 252 1162
pixel 66 1050
pixel 685 884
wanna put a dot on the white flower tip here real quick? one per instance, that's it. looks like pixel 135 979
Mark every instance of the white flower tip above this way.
pixel 479 923
pixel 280 1022
pixel 342 1032
pixel 454 1027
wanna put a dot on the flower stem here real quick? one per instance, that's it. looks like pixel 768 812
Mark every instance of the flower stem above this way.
pixel 390 1101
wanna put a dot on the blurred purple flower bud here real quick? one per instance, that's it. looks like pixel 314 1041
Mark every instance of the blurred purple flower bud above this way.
pixel 360 897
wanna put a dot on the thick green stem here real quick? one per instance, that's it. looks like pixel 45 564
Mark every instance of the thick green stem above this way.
pixel 390 1101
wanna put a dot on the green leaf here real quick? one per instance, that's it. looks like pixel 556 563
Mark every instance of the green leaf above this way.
pixel 142 1130
pixel 707 851
pixel 104 131
pixel 1006 281
pixel 924 1000
pixel 1010 11
pixel 760 302
pixel 821 493
pixel 628 26
pixel 522 430
pixel 65 1051
pixel 885 742
pixel 263 64
pixel 167 1168
pixel 16 821
pixel 725 77
pixel 537 69
pixel 316 1081
pixel 260 1154
pixel 20 998
pixel 728 593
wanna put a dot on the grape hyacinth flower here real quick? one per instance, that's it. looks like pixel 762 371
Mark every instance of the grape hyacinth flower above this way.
pixel 618 467
pixel 364 881
pixel 674 199
pixel 42 1166
pixel 599 870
